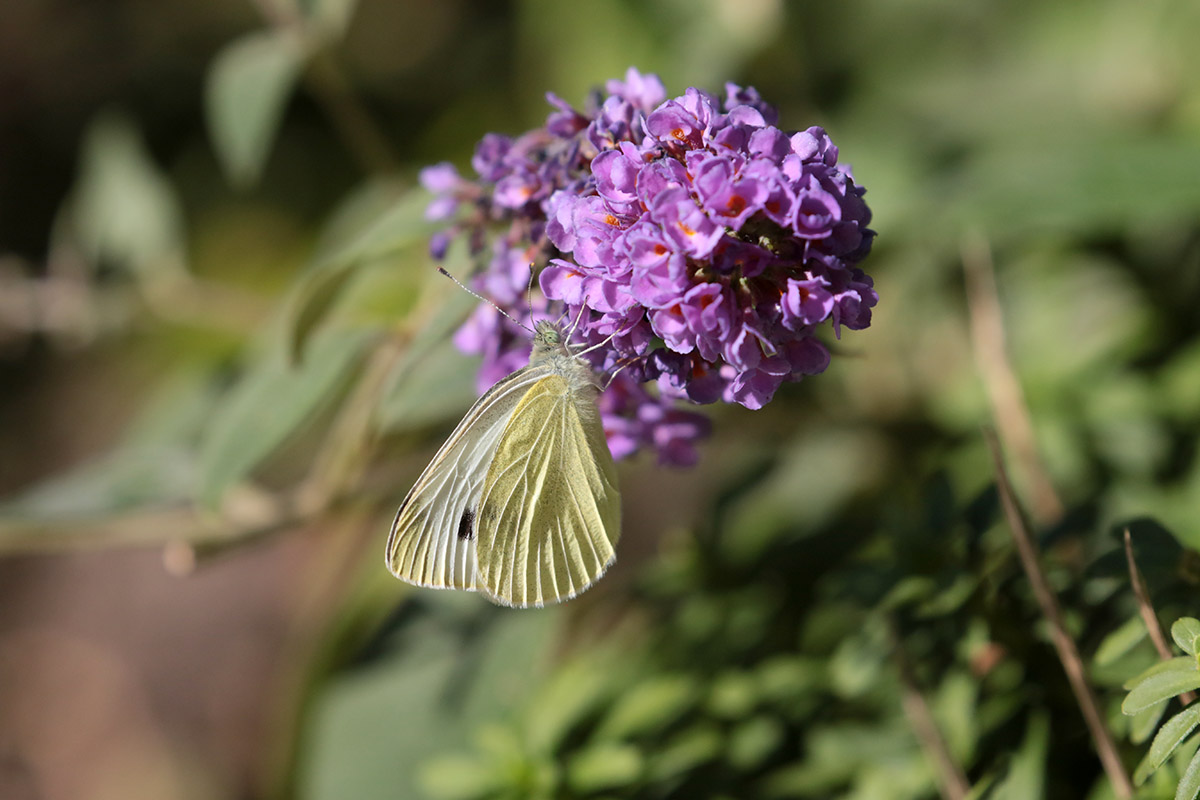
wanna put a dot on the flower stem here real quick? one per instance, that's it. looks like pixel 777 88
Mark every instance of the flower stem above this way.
pixel 1009 408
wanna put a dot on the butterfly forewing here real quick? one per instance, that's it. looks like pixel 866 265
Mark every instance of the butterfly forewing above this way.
pixel 550 512
pixel 433 537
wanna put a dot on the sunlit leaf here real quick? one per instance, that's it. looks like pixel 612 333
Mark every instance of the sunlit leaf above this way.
pixel 1169 737
pixel 1185 632
pixel 648 706
pixel 1179 663
pixel 1162 686
pixel 1189 784
pixel 753 741
pixel 733 695
pixel 604 766
pixel 686 751
pixel 460 778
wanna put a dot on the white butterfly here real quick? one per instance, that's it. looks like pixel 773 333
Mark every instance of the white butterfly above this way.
pixel 521 502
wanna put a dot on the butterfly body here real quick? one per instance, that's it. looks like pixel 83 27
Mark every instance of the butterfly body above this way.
pixel 521 502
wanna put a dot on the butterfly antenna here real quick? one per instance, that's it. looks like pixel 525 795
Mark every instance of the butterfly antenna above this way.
pixel 480 297
pixel 529 291
pixel 613 375
pixel 578 319
pixel 611 336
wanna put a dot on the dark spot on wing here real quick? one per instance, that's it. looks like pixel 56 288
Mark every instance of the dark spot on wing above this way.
pixel 466 525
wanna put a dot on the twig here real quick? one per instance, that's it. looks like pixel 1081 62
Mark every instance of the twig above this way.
pixel 1009 408
pixel 248 513
pixel 1147 611
pixel 952 783
pixel 1068 653
pixel 74 309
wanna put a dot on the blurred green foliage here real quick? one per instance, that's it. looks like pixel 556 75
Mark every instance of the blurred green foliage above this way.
pixel 751 642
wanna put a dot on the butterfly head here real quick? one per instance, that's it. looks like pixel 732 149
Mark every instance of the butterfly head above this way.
pixel 549 342
pixel 547 335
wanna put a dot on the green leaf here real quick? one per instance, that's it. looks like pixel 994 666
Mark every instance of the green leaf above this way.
pixel 1162 686
pixel 354 244
pixel 1120 641
pixel 435 382
pixel 268 405
pixel 956 709
pixel 1185 753
pixel 606 765
pixel 855 666
pixel 571 692
pixel 1145 721
pixel 1185 632
pixel 648 707
pixel 457 666
pixel 684 753
pixel 249 83
pixel 386 232
pixel 315 294
pixel 125 211
pixel 733 695
pixel 1169 737
pixel 752 742
pixel 1168 665
pixel 460 778
pixel 356 748
pixel 1026 775
pixel 1189 784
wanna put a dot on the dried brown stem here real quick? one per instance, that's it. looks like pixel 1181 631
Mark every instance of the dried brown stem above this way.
pixel 952 783
pixel 1146 608
pixel 1068 653
pixel 1009 408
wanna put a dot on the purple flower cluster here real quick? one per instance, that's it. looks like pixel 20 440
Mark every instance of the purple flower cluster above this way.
pixel 706 242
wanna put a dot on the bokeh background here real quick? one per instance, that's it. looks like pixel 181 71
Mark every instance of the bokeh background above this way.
pixel 224 358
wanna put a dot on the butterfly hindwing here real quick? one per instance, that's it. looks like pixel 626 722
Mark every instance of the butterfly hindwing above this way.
pixel 549 514
pixel 434 535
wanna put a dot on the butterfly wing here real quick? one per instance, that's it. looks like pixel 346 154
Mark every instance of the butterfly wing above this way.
pixel 433 537
pixel 550 512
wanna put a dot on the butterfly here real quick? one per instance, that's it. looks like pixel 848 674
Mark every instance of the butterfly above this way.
pixel 521 502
